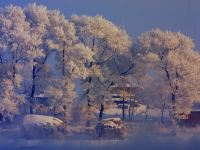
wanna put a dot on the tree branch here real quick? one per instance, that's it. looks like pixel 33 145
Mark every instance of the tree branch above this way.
pixel 44 61
pixel 1 59
pixel 128 69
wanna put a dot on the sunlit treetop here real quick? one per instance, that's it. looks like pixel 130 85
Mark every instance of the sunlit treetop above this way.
pixel 162 42
pixel 101 29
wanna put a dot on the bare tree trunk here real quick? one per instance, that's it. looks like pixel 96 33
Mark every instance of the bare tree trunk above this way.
pixel 88 113
pixel 14 67
pixel 1 59
pixel 63 62
pixel 162 113
pixel 146 112
pixel 129 113
pixel 173 96
pixel 88 122
pixel 123 110
pixel 101 112
pixel 32 89
pixel 173 101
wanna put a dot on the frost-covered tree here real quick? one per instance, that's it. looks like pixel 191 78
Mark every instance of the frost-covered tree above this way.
pixel 107 41
pixel 74 65
pixel 70 55
pixel 22 31
pixel 38 20
pixel 61 34
pixel 25 40
pixel 172 55
pixel 14 35
pixel 28 37
pixel 155 93
pixel 9 99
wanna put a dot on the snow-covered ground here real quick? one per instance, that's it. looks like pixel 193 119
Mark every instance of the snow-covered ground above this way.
pixel 143 134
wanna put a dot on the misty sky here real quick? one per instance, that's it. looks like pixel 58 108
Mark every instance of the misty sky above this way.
pixel 135 16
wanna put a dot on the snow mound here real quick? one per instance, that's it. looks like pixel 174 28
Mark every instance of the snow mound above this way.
pixel 111 128
pixel 112 123
pixel 40 125
pixel 39 120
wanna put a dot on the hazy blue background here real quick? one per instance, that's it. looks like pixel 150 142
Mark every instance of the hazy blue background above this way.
pixel 135 16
